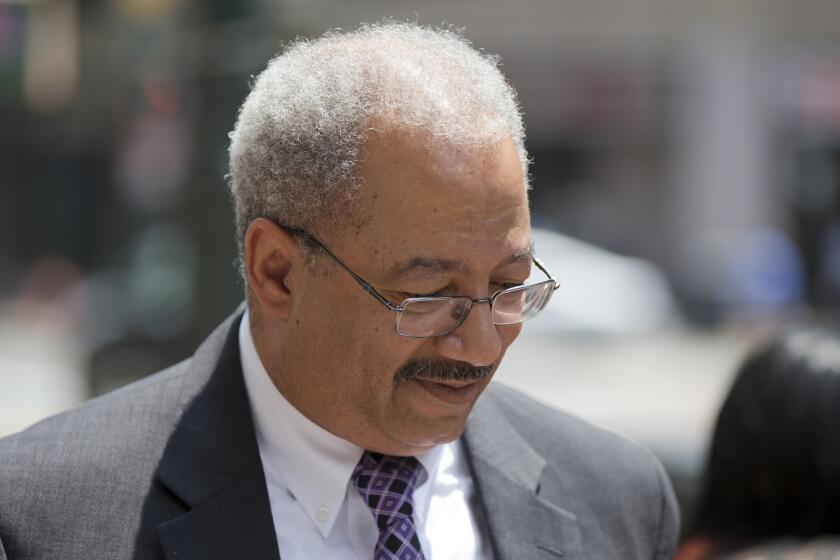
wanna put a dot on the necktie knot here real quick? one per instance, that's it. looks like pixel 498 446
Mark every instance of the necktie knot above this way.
pixel 386 484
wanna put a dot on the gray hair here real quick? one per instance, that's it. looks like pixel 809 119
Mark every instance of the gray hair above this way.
pixel 300 133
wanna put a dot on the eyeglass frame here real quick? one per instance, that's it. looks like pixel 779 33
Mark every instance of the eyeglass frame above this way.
pixel 367 287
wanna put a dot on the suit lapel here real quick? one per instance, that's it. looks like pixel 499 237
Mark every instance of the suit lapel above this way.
pixel 212 462
pixel 507 473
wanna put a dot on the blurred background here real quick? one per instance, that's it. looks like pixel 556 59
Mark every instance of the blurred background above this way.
pixel 686 186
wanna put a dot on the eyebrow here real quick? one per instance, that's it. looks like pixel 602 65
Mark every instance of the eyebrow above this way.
pixel 435 266
pixel 426 266
pixel 520 256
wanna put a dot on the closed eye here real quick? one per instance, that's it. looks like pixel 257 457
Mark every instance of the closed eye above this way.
pixel 505 286
pixel 494 287
pixel 406 295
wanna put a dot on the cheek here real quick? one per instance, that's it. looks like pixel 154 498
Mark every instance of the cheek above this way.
pixel 332 314
pixel 379 358
pixel 325 333
pixel 359 345
pixel 508 334
pixel 350 340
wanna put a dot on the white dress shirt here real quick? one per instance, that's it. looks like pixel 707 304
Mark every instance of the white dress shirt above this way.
pixel 317 511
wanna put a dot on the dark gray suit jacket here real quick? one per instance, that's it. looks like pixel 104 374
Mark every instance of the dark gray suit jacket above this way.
pixel 168 467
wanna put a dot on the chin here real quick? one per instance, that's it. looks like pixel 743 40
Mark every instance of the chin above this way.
pixel 445 433
pixel 448 438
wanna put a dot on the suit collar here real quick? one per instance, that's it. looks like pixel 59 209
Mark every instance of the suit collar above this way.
pixel 507 473
pixel 212 462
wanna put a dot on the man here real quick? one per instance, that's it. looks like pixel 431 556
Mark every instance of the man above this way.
pixel 379 181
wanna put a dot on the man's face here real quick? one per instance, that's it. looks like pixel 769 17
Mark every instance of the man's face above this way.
pixel 444 221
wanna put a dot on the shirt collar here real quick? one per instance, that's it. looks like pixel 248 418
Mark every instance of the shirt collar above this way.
pixel 315 464
pixel 431 461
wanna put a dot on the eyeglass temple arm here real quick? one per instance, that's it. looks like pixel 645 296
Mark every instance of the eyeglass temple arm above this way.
pixel 365 286
pixel 361 281
pixel 541 266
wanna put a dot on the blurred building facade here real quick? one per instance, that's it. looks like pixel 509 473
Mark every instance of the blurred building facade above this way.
pixel 703 137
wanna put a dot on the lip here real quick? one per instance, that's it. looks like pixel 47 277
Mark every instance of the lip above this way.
pixel 452 393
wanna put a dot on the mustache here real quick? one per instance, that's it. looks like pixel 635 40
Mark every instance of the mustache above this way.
pixel 441 370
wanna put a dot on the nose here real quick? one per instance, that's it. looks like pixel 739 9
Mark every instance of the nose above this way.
pixel 475 341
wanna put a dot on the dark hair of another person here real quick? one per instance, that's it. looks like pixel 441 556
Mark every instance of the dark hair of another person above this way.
pixel 774 465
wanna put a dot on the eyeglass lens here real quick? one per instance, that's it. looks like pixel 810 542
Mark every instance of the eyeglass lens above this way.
pixel 520 304
pixel 432 317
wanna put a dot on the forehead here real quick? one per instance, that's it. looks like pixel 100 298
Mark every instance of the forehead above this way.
pixel 437 199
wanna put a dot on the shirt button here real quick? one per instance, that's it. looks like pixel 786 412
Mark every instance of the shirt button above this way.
pixel 322 513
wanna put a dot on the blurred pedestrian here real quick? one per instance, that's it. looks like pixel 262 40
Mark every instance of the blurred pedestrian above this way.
pixel 772 482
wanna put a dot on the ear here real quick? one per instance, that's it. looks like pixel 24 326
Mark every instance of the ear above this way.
pixel 270 256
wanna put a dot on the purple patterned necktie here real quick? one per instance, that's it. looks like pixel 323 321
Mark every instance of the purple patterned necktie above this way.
pixel 386 484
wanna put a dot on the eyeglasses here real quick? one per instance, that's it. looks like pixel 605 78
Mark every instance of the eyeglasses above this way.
pixel 427 317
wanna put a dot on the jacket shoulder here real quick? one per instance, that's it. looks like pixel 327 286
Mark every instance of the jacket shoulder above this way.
pixel 610 482
pixel 103 434
pixel 123 417
pixel 69 473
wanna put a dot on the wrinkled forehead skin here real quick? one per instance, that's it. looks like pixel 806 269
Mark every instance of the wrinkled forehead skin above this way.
pixel 427 196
